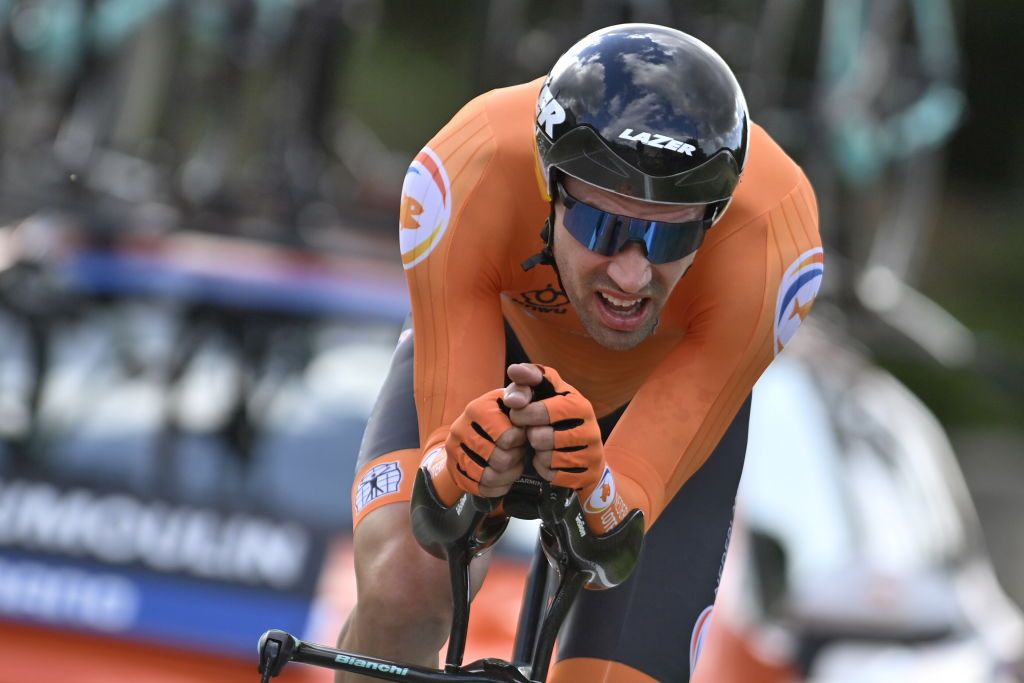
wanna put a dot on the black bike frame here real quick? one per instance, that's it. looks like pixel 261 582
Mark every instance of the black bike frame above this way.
pixel 462 531
pixel 373 667
pixel 535 597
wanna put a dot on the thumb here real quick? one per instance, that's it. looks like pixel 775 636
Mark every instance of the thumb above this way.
pixel 526 374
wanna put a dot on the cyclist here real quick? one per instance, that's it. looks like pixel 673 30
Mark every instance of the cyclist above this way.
pixel 660 288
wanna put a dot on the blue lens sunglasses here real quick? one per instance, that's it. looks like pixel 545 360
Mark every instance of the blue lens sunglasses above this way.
pixel 607 233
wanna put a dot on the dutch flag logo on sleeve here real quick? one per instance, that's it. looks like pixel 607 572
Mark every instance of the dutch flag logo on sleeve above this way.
pixel 426 207
pixel 799 287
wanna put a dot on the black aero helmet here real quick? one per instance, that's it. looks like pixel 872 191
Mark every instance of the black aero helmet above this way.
pixel 645 111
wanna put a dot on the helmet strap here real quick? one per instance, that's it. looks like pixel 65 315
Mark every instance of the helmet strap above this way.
pixel 546 256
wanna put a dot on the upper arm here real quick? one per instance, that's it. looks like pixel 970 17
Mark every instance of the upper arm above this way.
pixel 740 308
pixel 450 229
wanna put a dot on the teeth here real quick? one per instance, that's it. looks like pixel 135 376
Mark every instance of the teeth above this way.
pixel 621 303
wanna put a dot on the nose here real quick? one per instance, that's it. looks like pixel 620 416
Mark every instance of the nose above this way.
pixel 629 269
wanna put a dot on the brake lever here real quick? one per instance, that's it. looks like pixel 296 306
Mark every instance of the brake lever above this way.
pixel 275 649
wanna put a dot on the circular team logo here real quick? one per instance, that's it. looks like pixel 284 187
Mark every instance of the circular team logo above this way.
pixel 426 207
pixel 435 461
pixel 603 496
pixel 799 286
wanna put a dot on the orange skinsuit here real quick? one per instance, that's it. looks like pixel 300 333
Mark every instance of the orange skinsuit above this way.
pixel 471 214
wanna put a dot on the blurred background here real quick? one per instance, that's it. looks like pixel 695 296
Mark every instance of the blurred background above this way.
pixel 200 289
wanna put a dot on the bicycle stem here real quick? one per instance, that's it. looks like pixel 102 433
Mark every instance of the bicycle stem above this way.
pixel 568 588
pixel 459 559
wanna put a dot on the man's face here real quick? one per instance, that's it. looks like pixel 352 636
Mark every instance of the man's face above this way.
pixel 618 298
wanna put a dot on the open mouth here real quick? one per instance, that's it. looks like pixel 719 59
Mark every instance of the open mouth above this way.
pixel 621 313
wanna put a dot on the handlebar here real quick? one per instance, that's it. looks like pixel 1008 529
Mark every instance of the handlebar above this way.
pixel 468 527
pixel 461 532
pixel 277 648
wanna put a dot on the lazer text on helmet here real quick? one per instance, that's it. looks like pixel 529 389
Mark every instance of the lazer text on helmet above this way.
pixel 659 141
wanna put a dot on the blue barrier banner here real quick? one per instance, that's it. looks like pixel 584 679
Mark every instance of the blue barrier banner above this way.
pixel 116 564
pixel 361 291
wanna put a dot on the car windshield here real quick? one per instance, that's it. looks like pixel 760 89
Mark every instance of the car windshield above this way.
pixel 855 475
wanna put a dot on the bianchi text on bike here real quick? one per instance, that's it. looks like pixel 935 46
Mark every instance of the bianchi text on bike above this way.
pixel 371 664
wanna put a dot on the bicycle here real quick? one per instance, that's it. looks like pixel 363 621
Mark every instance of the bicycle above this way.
pixel 458 534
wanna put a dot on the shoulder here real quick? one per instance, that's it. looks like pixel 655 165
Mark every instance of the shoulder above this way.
pixel 770 229
pixel 515 100
pixel 494 126
pixel 505 115
pixel 770 178
pixel 511 113
pixel 473 184
pixel 774 210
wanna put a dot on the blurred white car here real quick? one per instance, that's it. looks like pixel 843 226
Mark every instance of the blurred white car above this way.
pixel 858 556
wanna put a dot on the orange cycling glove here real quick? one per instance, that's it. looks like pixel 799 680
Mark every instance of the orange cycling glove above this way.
pixel 471 439
pixel 578 454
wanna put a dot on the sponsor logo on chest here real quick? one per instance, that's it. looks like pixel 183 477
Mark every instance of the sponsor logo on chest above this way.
pixel 546 300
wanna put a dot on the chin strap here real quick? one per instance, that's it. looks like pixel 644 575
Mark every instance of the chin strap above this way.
pixel 544 257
